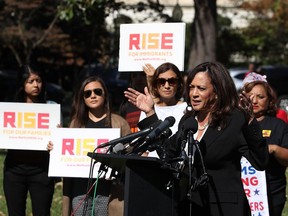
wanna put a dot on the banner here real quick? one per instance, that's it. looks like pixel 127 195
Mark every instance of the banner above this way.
pixel 71 145
pixel 254 183
pixel 27 125
pixel 153 43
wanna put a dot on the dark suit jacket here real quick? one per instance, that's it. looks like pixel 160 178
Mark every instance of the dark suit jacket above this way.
pixel 222 150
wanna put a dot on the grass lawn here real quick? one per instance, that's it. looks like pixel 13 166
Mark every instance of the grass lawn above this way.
pixel 57 199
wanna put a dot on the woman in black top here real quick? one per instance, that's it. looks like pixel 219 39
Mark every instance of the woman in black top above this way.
pixel 275 131
pixel 27 170
pixel 224 132
pixel 91 109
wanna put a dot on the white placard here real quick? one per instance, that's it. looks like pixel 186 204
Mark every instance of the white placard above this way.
pixel 254 183
pixel 27 125
pixel 71 145
pixel 153 43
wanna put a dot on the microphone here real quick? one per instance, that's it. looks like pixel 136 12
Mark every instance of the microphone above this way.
pixel 190 127
pixel 162 131
pixel 168 122
pixel 190 124
pixel 117 148
pixel 127 138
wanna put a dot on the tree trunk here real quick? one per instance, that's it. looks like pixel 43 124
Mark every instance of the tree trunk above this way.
pixel 203 43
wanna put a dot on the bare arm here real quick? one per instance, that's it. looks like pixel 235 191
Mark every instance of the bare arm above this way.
pixel 65 205
pixel 149 71
pixel 280 153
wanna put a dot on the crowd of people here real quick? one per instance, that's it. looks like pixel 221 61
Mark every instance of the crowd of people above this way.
pixel 229 125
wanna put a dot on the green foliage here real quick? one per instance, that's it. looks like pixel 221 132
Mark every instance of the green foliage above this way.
pixel 266 36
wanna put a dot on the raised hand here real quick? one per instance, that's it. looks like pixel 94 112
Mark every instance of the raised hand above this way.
pixel 246 105
pixel 143 101
pixel 149 70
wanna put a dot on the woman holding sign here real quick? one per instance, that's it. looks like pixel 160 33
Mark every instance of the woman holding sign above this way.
pixel 91 109
pixel 27 170
pixel 275 131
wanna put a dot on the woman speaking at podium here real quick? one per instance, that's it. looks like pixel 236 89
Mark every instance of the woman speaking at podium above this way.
pixel 227 130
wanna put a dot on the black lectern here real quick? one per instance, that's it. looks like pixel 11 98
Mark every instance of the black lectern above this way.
pixel 147 190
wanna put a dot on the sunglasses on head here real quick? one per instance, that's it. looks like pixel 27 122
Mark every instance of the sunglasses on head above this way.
pixel 171 81
pixel 97 91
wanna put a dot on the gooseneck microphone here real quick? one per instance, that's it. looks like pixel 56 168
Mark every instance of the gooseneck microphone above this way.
pixel 168 122
pixel 127 138
pixel 162 131
pixel 190 125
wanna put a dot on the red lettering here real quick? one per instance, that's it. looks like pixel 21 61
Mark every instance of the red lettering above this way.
pixel 151 41
pixel 256 206
pixel 67 145
pixel 134 40
pixel 250 181
pixel 43 120
pixel 99 142
pixel 9 118
pixel 254 181
pixel 247 192
pixel 167 41
pixel 26 120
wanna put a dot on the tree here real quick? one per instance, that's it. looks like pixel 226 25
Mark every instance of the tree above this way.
pixel 203 43
pixel 22 31
pixel 266 36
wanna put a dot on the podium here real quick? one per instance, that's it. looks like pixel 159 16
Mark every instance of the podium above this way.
pixel 146 184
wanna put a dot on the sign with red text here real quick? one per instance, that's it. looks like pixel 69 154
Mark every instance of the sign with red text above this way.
pixel 153 43
pixel 70 147
pixel 27 125
pixel 254 183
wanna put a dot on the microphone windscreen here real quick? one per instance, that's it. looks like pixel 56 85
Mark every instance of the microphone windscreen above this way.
pixel 190 124
pixel 171 120
pixel 118 148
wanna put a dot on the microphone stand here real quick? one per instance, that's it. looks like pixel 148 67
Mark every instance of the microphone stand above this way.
pixel 190 163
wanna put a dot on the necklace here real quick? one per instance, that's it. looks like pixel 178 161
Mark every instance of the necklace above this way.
pixel 201 128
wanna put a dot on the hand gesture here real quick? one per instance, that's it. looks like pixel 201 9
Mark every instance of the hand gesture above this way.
pixel 144 102
pixel 49 146
pixel 246 105
pixel 149 70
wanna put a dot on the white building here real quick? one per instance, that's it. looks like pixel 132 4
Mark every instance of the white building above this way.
pixel 228 8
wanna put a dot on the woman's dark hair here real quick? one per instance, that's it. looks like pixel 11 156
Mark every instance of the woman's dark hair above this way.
pixel 272 97
pixel 79 113
pixel 24 73
pixel 162 69
pixel 224 88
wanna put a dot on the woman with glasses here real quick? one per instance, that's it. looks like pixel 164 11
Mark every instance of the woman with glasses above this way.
pixel 90 109
pixel 27 170
pixel 166 85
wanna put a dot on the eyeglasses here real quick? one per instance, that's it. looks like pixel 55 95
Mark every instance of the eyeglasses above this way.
pixel 97 91
pixel 171 81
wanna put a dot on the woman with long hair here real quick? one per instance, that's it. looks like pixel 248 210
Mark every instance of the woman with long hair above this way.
pixel 90 109
pixel 27 170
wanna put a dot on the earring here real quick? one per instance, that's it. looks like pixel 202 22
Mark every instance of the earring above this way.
pixel 189 108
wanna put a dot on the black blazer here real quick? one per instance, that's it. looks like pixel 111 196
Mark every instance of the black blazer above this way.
pixel 222 150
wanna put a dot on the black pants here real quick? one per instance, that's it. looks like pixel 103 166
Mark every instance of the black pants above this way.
pixel 16 187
